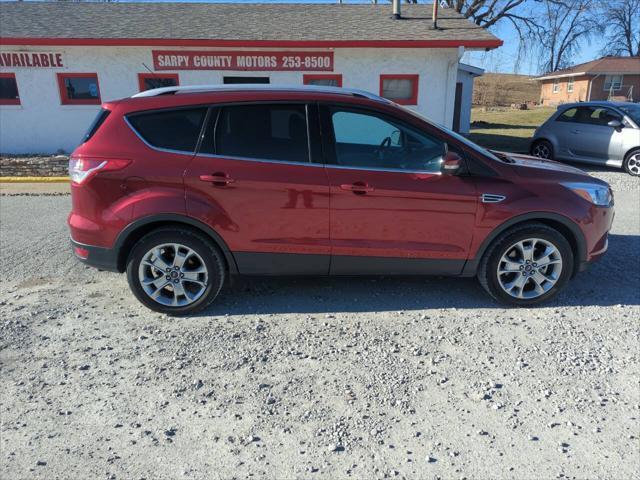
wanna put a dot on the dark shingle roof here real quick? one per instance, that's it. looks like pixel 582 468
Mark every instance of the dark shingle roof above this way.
pixel 250 22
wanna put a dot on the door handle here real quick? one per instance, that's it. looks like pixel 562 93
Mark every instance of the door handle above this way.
pixel 219 178
pixel 575 131
pixel 359 188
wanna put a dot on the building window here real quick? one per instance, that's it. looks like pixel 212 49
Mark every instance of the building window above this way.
pixel 570 85
pixel 556 86
pixel 9 89
pixel 240 80
pixel 147 81
pixel 329 80
pixel 79 89
pixel 612 82
pixel 402 89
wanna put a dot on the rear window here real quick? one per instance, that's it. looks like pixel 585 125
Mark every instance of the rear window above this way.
pixel 270 132
pixel 97 123
pixel 170 129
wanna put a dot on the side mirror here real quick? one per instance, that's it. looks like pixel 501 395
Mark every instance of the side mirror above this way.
pixel 615 123
pixel 451 164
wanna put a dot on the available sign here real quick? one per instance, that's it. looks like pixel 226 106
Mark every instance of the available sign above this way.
pixel 31 59
pixel 225 60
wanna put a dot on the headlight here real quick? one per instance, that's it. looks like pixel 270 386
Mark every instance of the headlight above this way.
pixel 597 194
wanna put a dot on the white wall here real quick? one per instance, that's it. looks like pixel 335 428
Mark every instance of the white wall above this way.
pixel 42 125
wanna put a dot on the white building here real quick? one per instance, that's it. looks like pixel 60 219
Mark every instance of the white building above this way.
pixel 60 60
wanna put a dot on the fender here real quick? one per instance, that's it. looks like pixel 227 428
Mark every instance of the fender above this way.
pixel 163 218
pixel 471 266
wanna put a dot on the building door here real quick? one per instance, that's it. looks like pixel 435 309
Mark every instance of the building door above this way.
pixel 236 80
pixel 457 108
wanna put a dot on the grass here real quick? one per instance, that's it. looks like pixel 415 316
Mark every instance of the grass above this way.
pixel 507 129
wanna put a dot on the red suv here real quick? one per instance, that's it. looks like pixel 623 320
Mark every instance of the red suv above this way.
pixel 182 187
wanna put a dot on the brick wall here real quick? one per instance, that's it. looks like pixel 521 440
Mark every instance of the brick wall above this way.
pixel 36 166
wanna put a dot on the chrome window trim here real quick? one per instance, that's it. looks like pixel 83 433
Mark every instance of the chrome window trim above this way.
pixel 377 169
pixel 260 160
pixel 159 149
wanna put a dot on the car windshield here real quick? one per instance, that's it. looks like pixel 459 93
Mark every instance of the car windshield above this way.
pixel 457 136
pixel 632 111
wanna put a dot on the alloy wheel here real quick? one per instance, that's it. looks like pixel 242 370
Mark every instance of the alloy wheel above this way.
pixel 633 164
pixel 529 268
pixel 173 275
pixel 541 150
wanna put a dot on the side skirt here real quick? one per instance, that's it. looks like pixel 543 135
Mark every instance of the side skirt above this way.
pixel 282 264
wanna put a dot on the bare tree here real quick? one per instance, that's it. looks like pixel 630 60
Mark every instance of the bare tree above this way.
pixel 562 28
pixel 621 27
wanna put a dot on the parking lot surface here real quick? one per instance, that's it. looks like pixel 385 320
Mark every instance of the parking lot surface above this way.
pixel 314 378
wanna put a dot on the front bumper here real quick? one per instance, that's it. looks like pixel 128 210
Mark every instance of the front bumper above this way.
pixel 98 257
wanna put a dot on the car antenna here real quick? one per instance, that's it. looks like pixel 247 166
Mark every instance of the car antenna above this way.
pixel 145 66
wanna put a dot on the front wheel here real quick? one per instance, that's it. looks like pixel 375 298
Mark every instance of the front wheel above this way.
pixel 632 163
pixel 526 265
pixel 175 271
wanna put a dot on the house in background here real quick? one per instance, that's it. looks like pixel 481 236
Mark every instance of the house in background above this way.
pixel 464 97
pixel 608 78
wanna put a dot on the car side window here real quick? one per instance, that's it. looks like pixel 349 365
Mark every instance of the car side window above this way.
pixel 596 116
pixel 568 115
pixel 369 140
pixel 261 132
pixel 170 129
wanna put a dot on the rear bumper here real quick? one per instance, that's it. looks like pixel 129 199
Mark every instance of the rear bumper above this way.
pixel 98 257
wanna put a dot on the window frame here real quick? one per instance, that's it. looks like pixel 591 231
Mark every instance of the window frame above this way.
pixel 144 76
pixel 413 100
pixel 604 85
pixel 322 76
pixel 329 141
pixel 65 100
pixel 555 88
pixel 570 84
pixel 314 147
pixel 11 101
pixel 207 113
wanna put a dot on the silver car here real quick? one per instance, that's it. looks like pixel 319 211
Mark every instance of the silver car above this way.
pixel 604 133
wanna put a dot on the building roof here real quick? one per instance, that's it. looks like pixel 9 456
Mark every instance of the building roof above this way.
pixel 604 65
pixel 215 24
pixel 471 70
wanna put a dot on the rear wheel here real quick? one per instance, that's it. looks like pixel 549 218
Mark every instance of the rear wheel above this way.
pixel 526 265
pixel 632 163
pixel 175 271
pixel 542 149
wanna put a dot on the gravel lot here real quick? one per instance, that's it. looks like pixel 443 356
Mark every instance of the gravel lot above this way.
pixel 314 378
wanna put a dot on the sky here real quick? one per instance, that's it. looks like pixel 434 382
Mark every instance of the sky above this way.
pixel 504 59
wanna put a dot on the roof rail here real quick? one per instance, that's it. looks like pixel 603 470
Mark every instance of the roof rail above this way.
pixel 258 87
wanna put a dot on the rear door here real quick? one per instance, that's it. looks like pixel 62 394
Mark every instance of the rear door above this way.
pixel 391 209
pixel 255 182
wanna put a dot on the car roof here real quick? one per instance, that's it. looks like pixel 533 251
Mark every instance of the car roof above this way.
pixel 596 103
pixel 183 96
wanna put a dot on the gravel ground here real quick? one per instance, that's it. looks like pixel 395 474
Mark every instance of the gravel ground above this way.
pixel 314 378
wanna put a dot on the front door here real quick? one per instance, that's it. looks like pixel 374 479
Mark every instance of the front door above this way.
pixel 391 209
pixel 254 183
pixel 591 139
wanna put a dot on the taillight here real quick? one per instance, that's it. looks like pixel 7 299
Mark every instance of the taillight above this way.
pixel 82 169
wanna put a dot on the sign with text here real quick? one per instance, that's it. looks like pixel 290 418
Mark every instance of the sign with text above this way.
pixel 31 59
pixel 257 61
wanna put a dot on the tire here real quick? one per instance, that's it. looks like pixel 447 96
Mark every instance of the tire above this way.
pixel 196 268
pixel 555 275
pixel 631 162
pixel 542 149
